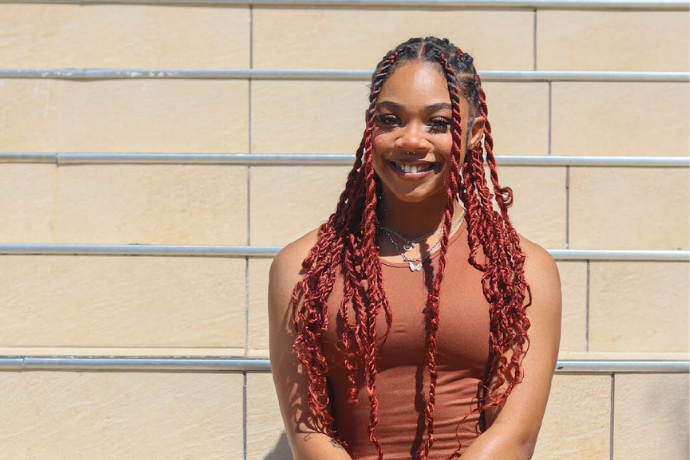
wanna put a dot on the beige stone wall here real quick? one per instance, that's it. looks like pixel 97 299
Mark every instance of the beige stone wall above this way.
pixel 141 306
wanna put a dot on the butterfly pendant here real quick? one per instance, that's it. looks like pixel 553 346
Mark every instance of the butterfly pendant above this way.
pixel 415 267
pixel 408 246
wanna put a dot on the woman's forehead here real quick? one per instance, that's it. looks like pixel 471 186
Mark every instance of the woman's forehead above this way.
pixel 416 80
pixel 418 84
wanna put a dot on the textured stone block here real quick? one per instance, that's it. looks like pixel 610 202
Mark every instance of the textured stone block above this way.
pixel 29 115
pixel 612 40
pixel 638 306
pixel 154 116
pixel 351 38
pixel 115 415
pixel 628 208
pixel 628 119
pixel 539 212
pixel 577 421
pixel 134 36
pixel 519 115
pixel 125 116
pixel 27 202
pixel 308 116
pixel 266 439
pixel 574 290
pixel 651 419
pixel 287 202
pixel 258 305
pixel 111 301
pixel 145 204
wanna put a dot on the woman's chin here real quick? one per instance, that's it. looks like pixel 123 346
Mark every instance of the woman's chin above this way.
pixel 417 196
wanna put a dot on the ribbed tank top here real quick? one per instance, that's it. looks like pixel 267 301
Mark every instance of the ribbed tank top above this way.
pixel 403 377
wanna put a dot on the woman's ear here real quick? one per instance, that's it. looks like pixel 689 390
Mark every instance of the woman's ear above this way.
pixel 476 131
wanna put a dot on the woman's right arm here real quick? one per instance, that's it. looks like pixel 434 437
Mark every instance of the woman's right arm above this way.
pixel 307 441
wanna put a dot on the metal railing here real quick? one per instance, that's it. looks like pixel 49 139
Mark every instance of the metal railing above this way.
pixel 259 159
pixel 271 251
pixel 330 74
pixel 673 5
pixel 216 364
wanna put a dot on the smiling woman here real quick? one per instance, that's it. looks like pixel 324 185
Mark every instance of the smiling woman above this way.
pixel 402 325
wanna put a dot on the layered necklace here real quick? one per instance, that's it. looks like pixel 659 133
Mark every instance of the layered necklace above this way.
pixel 415 263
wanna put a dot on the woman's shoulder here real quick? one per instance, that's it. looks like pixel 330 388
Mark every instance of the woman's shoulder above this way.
pixel 534 253
pixel 286 268
pixel 541 271
pixel 290 258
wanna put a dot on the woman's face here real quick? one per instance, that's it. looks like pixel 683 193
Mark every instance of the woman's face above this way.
pixel 412 138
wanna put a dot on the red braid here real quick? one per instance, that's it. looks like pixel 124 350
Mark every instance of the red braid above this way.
pixel 348 240
pixel 503 282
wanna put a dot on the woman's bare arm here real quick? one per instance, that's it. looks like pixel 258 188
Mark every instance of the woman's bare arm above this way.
pixel 307 440
pixel 513 430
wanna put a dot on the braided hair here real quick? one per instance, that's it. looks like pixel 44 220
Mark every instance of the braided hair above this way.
pixel 347 244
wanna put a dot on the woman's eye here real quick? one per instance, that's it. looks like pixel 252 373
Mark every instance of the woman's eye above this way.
pixel 387 119
pixel 439 124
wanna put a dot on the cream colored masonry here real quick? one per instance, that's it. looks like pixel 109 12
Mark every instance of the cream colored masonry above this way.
pixel 192 306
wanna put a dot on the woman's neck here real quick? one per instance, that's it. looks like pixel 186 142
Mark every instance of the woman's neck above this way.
pixel 413 220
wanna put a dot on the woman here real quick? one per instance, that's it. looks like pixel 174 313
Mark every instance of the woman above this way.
pixel 400 328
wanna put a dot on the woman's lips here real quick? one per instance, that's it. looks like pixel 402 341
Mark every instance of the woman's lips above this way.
pixel 412 170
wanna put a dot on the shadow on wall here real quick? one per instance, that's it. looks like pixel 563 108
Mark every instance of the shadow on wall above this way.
pixel 281 451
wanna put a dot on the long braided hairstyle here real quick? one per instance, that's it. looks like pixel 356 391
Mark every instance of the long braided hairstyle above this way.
pixel 348 244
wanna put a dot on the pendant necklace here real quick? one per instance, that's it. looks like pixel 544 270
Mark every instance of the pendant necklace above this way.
pixel 408 245
pixel 416 262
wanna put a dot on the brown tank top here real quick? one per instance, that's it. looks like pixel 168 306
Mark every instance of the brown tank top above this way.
pixel 403 376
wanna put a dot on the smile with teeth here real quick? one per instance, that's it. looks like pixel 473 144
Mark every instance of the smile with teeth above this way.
pixel 413 169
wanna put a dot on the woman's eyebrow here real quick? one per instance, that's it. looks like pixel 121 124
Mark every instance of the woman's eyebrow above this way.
pixel 429 108
pixel 389 105
pixel 439 106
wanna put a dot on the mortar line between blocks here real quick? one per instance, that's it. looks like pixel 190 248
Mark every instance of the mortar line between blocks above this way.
pixel 249 181
pixel 587 286
pixel 246 306
pixel 244 415
pixel 567 207
pixel 550 114
pixel 534 42
pixel 613 410
pixel 251 36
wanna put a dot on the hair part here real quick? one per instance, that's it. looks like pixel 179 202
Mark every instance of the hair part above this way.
pixel 347 244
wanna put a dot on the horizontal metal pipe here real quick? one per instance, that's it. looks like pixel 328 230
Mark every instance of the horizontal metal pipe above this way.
pixel 422 4
pixel 258 159
pixel 11 363
pixel 204 158
pixel 620 255
pixel 604 366
pixel 146 363
pixel 138 250
pixel 202 364
pixel 27 157
pixel 331 74
pixel 271 251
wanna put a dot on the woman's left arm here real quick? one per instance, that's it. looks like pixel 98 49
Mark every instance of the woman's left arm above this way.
pixel 513 429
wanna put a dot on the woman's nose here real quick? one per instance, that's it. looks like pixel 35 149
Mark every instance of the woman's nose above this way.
pixel 413 138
